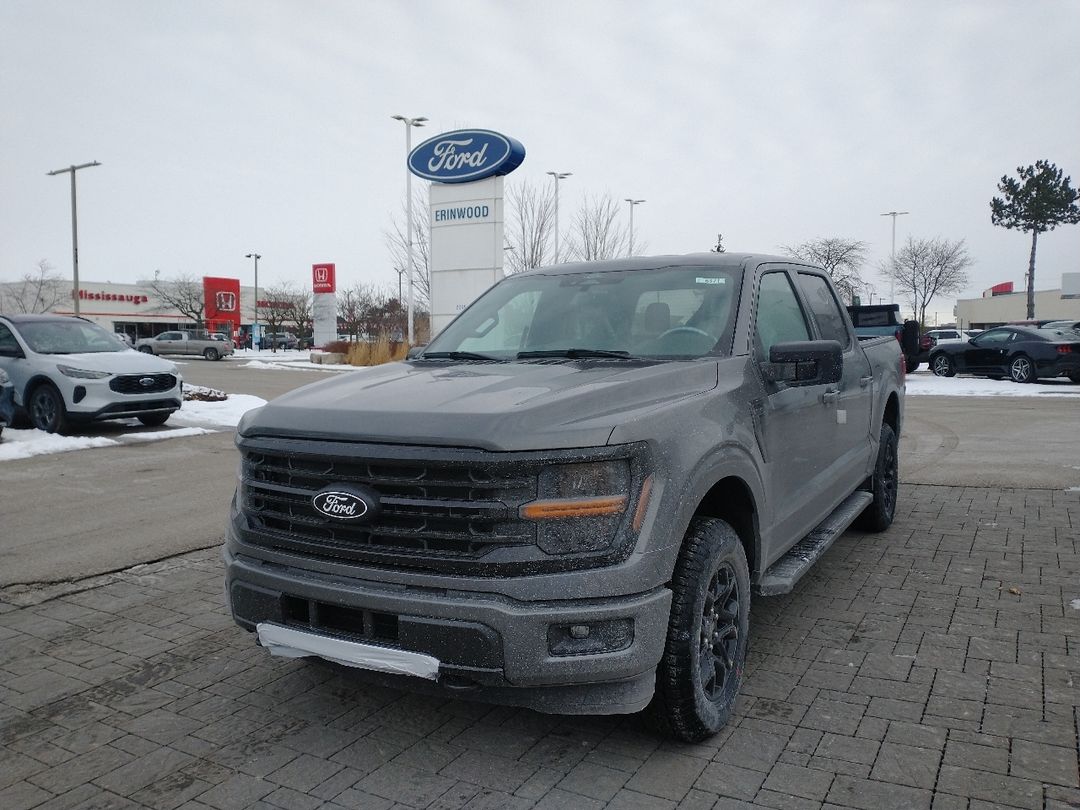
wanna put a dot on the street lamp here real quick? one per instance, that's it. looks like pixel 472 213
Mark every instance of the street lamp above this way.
pixel 558 176
pixel 256 342
pixel 632 204
pixel 409 124
pixel 892 255
pixel 74 227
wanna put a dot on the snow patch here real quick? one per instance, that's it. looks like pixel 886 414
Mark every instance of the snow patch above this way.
pixel 1075 604
pixel 17 444
pixel 217 414
pixel 158 435
pixel 925 383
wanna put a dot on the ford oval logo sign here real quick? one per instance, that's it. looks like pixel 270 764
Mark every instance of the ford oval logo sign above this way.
pixel 346 504
pixel 465 155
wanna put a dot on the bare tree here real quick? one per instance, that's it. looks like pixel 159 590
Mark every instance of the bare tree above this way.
pixel 278 309
pixel 924 268
pixel 530 230
pixel 300 307
pixel 842 259
pixel 596 232
pixel 397 241
pixel 40 290
pixel 353 305
pixel 184 294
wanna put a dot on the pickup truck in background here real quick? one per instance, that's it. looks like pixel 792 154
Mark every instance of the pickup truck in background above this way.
pixel 875 320
pixel 565 500
pixel 186 342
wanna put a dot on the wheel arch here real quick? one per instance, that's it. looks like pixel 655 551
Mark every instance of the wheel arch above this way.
pixel 731 499
pixel 33 384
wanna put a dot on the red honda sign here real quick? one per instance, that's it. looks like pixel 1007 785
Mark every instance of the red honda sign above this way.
pixel 221 297
pixel 322 278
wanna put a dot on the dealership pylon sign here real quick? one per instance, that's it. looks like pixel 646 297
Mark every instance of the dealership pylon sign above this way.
pixel 221 303
pixel 324 285
pixel 466 169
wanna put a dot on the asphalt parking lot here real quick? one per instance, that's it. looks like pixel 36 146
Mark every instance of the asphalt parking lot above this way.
pixel 935 665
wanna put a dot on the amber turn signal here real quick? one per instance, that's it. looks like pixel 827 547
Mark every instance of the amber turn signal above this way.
pixel 573 507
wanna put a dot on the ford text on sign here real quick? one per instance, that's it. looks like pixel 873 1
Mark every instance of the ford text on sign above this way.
pixel 322 278
pixel 465 155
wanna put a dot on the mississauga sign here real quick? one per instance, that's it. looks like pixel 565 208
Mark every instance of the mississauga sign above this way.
pixel 466 155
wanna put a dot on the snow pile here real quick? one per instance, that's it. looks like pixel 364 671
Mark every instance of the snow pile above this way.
pixel 17 444
pixel 201 393
pixel 217 414
pixel 925 383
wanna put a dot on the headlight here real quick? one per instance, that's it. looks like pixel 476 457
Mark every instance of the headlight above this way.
pixel 82 373
pixel 580 505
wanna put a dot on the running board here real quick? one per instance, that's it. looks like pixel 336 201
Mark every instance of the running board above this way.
pixel 782 575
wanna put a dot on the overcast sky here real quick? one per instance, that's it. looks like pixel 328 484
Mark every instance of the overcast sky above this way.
pixel 230 127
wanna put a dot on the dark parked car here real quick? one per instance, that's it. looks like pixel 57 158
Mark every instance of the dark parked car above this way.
pixel 1021 353
pixel 1065 325
pixel 280 340
pixel 7 401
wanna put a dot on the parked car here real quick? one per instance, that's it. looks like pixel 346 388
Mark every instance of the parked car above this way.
pixel 1066 325
pixel 565 500
pixel 280 340
pixel 875 320
pixel 932 337
pixel 68 370
pixel 186 342
pixel 1023 354
pixel 7 401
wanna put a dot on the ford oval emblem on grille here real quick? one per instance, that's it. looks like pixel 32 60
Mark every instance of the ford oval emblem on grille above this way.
pixel 146 382
pixel 346 504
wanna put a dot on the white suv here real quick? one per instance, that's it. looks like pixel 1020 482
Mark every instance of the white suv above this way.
pixel 67 370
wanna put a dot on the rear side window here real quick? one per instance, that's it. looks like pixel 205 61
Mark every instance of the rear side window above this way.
pixel 827 312
pixel 779 317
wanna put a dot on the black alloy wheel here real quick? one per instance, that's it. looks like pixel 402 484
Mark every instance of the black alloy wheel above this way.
pixel 942 366
pixel 719 637
pixel 47 410
pixel 1021 369
pixel 884 483
pixel 698 678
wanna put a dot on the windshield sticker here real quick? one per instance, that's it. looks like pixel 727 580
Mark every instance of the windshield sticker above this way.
pixel 709 280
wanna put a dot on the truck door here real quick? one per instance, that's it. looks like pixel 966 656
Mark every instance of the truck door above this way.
pixel 851 400
pixel 791 420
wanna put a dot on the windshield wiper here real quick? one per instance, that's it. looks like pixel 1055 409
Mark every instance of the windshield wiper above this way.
pixel 574 353
pixel 455 356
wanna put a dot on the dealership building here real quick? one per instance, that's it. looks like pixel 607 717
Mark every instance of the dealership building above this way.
pixel 136 310
pixel 1003 304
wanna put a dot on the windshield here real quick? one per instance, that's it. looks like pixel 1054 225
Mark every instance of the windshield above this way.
pixel 68 337
pixel 675 313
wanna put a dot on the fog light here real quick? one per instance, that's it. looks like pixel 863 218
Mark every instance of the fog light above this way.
pixel 586 639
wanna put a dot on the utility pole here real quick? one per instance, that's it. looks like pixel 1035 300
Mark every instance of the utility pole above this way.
pixel 632 204
pixel 409 124
pixel 892 255
pixel 74 228
pixel 256 338
pixel 558 176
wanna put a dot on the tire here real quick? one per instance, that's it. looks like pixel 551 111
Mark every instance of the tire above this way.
pixel 910 364
pixel 942 366
pixel 146 350
pixel 47 411
pixel 211 353
pixel 1075 377
pixel 884 483
pixel 698 678
pixel 155 419
pixel 1021 369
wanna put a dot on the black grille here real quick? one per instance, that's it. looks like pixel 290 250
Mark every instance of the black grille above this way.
pixel 429 509
pixel 142 383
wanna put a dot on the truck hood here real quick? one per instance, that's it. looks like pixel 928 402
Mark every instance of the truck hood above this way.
pixel 127 361
pixel 494 406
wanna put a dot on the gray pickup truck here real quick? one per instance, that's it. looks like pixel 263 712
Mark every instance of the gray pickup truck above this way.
pixel 186 342
pixel 565 501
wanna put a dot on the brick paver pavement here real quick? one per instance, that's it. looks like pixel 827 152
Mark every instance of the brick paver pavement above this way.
pixel 934 666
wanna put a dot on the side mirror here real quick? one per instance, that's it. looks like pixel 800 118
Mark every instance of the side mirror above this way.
pixel 415 352
pixel 805 362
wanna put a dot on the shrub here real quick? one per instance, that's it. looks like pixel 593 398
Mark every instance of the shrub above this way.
pixel 383 350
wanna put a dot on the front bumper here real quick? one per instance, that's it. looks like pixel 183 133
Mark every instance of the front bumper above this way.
pixel 93 400
pixel 489 647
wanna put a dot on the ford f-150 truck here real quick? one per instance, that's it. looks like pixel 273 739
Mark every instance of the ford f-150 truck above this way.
pixel 565 500
pixel 186 342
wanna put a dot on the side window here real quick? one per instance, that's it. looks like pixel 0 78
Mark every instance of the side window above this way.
pixel 779 316
pixel 830 319
pixel 995 337
pixel 7 340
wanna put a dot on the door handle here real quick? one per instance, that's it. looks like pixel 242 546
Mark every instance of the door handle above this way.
pixel 865 381
pixel 830 397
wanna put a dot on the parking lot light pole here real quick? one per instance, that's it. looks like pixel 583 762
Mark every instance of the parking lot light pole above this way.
pixel 409 124
pixel 74 228
pixel 558 176
pixel 892 255
pixel 632 204
pixel 255 342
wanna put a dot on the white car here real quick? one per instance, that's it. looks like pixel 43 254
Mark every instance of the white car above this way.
pixel 68 370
